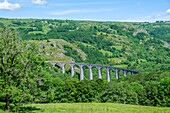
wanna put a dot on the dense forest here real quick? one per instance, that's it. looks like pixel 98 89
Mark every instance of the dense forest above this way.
pixel 26 45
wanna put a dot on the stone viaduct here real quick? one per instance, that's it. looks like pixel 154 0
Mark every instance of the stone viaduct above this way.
pixel 90 66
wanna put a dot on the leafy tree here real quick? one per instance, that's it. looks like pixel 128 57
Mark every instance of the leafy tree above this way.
pixel 85 92
pixel 19 63
pixel 1 25
pixel 70 89
pixel 120 93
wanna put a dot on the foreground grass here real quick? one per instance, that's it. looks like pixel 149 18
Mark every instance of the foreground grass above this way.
pixel 91 108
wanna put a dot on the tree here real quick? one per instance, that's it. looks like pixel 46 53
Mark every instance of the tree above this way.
pixel 1 25
pixel 19 63
pixel 119 92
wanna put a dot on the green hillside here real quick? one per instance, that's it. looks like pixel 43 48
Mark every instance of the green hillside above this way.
pixel 26 77
pixel 137 46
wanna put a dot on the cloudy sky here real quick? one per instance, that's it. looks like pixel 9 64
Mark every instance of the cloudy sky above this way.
pixel 101 10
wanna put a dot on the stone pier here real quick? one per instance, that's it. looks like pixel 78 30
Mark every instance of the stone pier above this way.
pixel 90 66
pixel 72 70
pixel 117 73
pixel 99 72
pixel 108 74
pixel 91 73
pixel 81 72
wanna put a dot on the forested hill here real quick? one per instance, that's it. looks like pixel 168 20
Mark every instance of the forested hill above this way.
pixel 140 46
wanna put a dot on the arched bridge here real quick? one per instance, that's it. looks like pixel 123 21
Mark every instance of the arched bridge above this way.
pixel 90 66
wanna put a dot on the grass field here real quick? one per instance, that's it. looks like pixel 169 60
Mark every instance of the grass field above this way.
pixel 91 108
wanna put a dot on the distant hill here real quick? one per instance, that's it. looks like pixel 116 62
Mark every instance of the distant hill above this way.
pixel 140 46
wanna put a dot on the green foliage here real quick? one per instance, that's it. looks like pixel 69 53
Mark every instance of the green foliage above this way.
pixel 19 68
pixel 25 77
pixel 93 55
pixel 139 46
pixel 1 25
pixel 72 53
pixel 120 93
pixel 161 32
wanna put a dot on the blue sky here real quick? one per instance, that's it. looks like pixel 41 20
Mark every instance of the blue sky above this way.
pixel 100 10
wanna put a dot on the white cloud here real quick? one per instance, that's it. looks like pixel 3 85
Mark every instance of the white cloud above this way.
pixel 161 16
pixel 40 2
pixel 9 6
pixel 84 3
pixel 78 11
pixel 168 11
pixel 151 18
pixel 64 12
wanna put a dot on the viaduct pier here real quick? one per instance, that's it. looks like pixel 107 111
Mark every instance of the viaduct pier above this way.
pixel 90 66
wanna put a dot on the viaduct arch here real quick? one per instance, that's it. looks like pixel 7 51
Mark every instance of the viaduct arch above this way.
pixel 90 66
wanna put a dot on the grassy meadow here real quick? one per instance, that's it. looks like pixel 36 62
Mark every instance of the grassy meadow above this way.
pixel 91 108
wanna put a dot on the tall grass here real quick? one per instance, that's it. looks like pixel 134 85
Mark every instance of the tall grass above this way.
pixel 96 108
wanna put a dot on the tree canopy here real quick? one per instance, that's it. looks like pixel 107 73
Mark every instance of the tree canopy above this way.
pixel 19 61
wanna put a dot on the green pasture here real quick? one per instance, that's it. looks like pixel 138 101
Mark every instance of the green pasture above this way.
pixel 90 108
